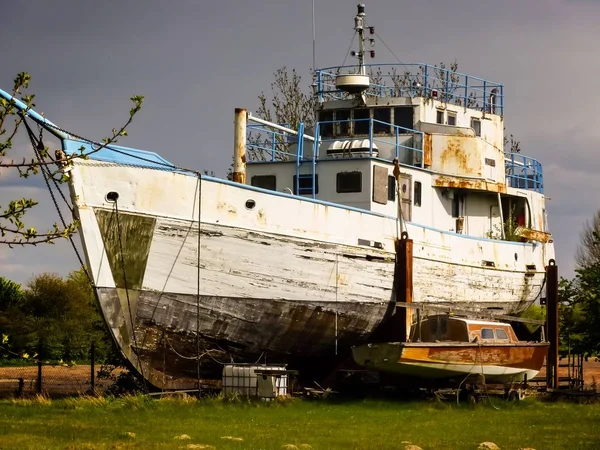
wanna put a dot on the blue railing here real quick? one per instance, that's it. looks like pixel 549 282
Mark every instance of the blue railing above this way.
pixel 392 137
pixel 268 145
pixel 418 80
pixel 523 172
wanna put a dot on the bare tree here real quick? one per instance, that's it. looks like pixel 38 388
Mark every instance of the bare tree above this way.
pixel 588 250
pixel 13 229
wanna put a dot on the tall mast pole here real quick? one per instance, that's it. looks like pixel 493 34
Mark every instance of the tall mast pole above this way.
pixel 359 26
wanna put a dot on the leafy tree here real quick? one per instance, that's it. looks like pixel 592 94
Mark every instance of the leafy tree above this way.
pixel 13 229
pixel 580 297
pixel 11 294
pixel 57 319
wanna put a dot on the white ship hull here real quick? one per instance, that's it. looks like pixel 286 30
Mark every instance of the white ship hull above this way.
pixel 270 275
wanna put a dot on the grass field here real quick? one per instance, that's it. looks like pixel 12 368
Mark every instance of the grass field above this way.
pixel 140 422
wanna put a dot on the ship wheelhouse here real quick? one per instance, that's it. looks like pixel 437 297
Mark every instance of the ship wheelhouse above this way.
pixel 445 129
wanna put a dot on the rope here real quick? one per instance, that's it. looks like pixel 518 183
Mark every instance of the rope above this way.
pixel 198 283
pixel 46 173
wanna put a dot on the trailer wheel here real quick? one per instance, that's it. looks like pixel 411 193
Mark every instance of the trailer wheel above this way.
pixel 514 396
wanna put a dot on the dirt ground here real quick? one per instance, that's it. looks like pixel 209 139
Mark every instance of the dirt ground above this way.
pixel 56 380
pixel 591 372
pixel 60 380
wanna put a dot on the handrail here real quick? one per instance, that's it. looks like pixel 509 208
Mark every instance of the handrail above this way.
pixel 523 172
pixel 418 80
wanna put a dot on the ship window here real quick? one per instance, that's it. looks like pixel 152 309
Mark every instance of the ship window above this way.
pixel 487 333
pixel 349 182
pixel 391 188
pixel 361 121
pixel 403 117
pixel 326 129
pixel 501 334
pixel 476 125
pixel 342 117
pixel 305 184
pixel 451 118
pixel 417 193
pixel 439 118
pixel 264 181
pixel 382 115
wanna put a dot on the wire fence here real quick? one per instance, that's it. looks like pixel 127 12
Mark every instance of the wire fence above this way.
pixel 56 379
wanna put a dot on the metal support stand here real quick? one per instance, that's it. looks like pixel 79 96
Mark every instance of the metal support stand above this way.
pixel 552 324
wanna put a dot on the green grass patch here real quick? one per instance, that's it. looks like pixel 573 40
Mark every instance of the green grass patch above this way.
pixel 141 422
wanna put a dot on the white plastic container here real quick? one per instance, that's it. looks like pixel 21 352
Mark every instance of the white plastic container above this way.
pixel 241 379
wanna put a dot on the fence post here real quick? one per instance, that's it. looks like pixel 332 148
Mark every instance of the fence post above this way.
pixel 92 367
pixel 39 378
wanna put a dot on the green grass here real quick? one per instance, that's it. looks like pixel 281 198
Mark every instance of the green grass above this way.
pixel 361 424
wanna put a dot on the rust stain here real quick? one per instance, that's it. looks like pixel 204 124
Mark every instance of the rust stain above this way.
pixel 467 183
pixel 454 153
pixel 427 150
pixel 533 235
pixel 526 356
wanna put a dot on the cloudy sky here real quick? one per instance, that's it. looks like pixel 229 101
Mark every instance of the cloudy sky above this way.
pixel 195 61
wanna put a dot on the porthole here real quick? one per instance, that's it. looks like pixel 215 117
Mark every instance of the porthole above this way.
pixel 516 257
pixel 250 204
pixel 112 196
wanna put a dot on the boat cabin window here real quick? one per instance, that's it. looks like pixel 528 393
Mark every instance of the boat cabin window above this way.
pixel 326 129
pixel 342 118
pixel 391 188
pixel 264 181
pixel 403 117
pixel 476 125
pixel 451 118
pixel 417 193
pixel 305 184
pixel 501 334
pixel 382 115
pixel 439 118
pixel 487 333
pixel 349 182
pixel 361 121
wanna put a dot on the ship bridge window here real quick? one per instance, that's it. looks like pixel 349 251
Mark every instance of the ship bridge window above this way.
pixel 382 115
pixel 305 184
pixel 326 129
pixel 439 117
pixel 349 182
pixel 342 118
pixel 391 188
pixel 487 333
pixel 501 334
pixel 451 118
pixel 264 181
pixel 403 117
pixel 476 125
pixel 361 121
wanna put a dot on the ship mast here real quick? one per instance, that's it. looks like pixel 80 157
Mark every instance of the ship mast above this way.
pixel 356 83
pixel 359 26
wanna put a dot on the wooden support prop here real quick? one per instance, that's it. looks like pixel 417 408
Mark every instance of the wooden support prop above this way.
pixel 404 285
pixel 552 324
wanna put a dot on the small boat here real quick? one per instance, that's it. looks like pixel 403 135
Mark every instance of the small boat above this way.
pixel 445 348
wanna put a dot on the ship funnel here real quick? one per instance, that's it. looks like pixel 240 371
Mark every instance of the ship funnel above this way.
pixel 239 146
pixel 356 83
